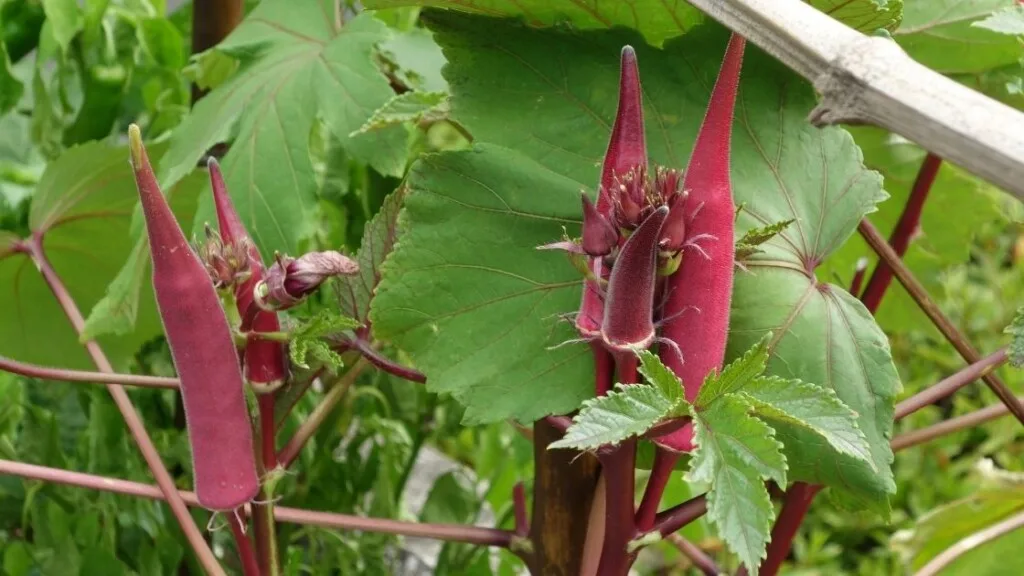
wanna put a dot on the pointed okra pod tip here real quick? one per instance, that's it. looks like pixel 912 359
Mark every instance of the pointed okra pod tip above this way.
pixel 138 150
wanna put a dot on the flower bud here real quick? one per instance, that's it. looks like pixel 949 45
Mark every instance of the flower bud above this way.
pixel 290 280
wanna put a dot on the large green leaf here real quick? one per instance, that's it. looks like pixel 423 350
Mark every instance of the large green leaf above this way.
pixel 657 20
pixel 475 267
pixel 295 63
pixel 941 35
pixel 82 208
pixel 958 205
pixel 866 15
pixel 466 293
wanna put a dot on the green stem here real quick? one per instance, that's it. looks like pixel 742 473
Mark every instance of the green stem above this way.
pixel 263 525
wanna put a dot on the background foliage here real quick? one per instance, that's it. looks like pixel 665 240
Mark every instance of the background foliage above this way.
pixel 328 112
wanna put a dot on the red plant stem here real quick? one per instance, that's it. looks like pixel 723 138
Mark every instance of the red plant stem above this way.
pixel 283 409
pixel 163 478
pixel 604 368
pixel 519 504
pixel 951 384
pixel 268 431
pixel 309 427
pixel 66 375
pixel 666 427
pixel 245 551
pixel 908 222
pixel 678 516
pixel 617 467
pixel 386 364
pixel 560 423
pixel 929 307
pixel 448 532
pixel 858 276
pixel 701 560
pixel 661 470
pixel 970 420
pixel 794 508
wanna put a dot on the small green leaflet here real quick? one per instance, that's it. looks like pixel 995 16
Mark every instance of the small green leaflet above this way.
pixel 306 339
pixel 735 453
pixel 737 374
pixel 659 375
pixel 407 107
pixel 626 411
pixel 749 244
pixel 811 407
pixel 1016 328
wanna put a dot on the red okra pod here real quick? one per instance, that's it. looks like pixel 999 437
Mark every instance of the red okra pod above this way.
pixel 264 364
pixel 628 325
pixel 700 293
pixel 626 150
pixel 204 354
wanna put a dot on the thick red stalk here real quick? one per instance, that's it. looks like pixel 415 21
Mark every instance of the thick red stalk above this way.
pixel 617 469
pixel 604 368
pixel 203 351
pixel 250 567
pixel 661 471
pixel 519 507
pixel 906 226
pixel 699 294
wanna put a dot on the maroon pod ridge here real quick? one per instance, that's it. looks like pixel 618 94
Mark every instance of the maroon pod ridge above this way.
pixel 204 354
pixel 628 325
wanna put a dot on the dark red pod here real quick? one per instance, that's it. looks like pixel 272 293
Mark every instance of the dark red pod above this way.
pixel 264 363
pixel 626 150
pixel 628 325
pixel 700 293
pixel 204 354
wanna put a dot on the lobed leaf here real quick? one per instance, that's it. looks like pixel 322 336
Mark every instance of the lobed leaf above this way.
pixel 737 374
pixel 659 375
pixel 626 411
pixel 735 453
pixel 811 407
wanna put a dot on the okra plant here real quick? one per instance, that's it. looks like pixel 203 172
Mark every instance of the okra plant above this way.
pixel 596 258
